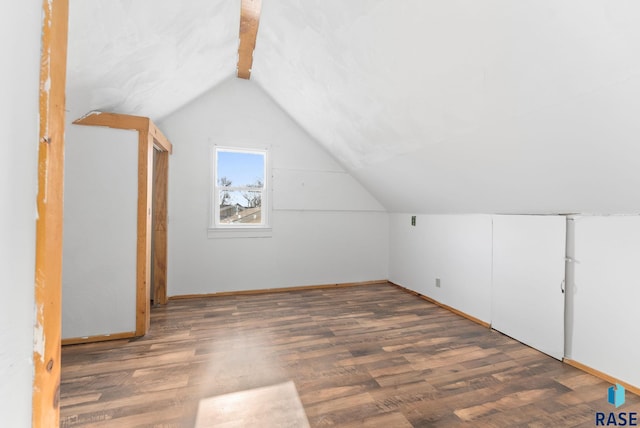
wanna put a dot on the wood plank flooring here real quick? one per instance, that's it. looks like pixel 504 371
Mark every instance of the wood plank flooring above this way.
pixel 369 356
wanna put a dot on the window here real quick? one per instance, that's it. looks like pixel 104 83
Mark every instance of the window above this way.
pixel 240 197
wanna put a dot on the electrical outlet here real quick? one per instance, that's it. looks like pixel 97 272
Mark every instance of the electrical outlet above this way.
pixel 438 282
pixel 413 220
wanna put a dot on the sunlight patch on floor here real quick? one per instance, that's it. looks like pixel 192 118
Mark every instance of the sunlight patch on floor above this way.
pixel 276 406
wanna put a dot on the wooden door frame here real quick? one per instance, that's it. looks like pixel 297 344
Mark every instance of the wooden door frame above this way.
pixel 159 226
pixel 149 136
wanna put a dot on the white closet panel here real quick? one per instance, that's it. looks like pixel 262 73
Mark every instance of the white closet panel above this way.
pixel 528 280
pixel 100 231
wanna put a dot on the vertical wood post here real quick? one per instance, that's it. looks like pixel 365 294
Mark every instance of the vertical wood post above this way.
pixel 160 188
pixel 48 261
pixel 143 269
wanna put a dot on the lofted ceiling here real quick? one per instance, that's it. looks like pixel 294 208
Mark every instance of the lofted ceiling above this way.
pixel 148 57
pixel 434 105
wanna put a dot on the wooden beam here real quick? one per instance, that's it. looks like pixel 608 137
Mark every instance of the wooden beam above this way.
pixel 159 139
pixel 126 121
pixel 249 20
pixel 160 187
pixel 114 120
pixel 143 248
pixel 48 263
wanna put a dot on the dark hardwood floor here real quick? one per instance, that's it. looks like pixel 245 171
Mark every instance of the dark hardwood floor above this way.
pixel 371 356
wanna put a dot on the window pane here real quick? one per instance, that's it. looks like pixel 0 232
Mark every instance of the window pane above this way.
pixel 240 169
pixel 240 207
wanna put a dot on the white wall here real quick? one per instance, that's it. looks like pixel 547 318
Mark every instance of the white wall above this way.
pixel 326 227
pixel 20 27
pixel 100 209
pixel 606 320
pixel 454 248
pixel 601 315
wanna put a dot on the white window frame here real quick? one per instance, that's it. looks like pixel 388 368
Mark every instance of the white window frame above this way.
pixel 238 230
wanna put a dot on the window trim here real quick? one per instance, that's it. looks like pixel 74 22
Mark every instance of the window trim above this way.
pixel 221 230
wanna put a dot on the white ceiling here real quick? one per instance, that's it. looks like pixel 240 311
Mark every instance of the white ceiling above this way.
pixel 148 57
pixel 436 106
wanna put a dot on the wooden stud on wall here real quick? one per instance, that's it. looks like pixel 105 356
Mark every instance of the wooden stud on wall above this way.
pixel 48 263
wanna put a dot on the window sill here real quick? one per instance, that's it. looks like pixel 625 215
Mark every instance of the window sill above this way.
pixel 239 232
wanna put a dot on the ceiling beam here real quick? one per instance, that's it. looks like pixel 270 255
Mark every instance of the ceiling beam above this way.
pixel 127 121
pixel 249 20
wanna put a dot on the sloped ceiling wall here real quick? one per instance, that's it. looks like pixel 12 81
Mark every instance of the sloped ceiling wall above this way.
pixel 148 57
pixel 435 106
